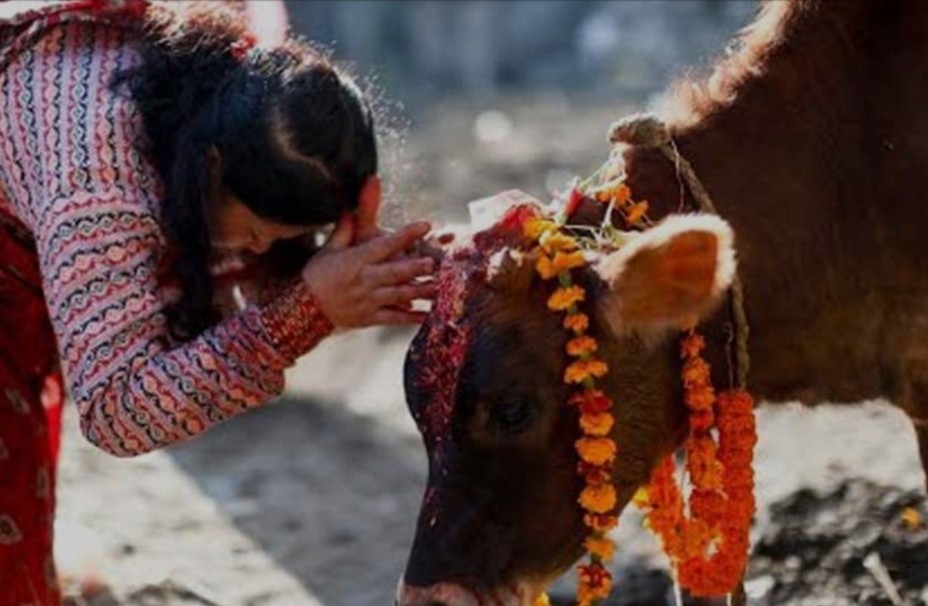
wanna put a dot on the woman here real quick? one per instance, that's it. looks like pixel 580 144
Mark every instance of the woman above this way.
pixel 142 148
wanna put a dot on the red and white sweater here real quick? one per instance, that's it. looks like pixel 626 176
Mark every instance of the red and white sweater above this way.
pixel 71 173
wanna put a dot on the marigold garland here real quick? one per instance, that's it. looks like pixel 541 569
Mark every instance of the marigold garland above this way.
pixel 708 544
pixel 559 254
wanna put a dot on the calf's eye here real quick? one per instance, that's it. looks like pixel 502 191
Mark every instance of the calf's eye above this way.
pixel 514 414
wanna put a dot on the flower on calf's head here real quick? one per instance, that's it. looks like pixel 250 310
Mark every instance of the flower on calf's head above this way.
pixel 580 371
pixel 601 547
pixel 598 498
pixel 581 346
pixel 566 297
pixel 578 323
pixel 596 424
pixel 597 451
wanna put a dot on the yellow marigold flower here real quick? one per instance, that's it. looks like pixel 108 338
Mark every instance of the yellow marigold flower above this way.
pixel 598 499
pixel 581 370
pixel 596 425
pixel 597 451
pixel 555 241
pixel 619 193
pixel 642 498
pixel 542 600
pixel 565 261
pixel 577 323
pixel 600 546
pixel 549 268
pixel 563 298
pixel 912 518
pixel 587 596
pixel 579 346
pixel 637 212
pixel 545 268
pixel 536 226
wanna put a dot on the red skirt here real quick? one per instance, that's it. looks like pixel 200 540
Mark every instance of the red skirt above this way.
pixel 30 409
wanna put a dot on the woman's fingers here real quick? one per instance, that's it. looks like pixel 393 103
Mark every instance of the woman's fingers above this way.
pixel 386 246
pixel 401 295
pixel 400 272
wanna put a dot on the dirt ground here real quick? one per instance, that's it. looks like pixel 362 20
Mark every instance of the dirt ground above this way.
pixel 312 500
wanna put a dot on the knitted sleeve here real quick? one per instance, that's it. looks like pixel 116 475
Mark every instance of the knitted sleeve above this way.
pixel 69 163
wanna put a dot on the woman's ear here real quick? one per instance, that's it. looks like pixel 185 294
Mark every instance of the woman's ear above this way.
pixel 670 275
pixel 368 209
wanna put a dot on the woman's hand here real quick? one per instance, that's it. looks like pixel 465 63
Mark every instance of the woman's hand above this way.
pixel 372 282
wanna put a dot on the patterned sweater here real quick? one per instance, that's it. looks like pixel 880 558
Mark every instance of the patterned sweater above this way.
pixel 71 174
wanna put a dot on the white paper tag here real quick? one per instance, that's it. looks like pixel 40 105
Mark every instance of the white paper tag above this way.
pixel 486 212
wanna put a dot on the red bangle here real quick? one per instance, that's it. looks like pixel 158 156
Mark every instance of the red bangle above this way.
pixel 294 321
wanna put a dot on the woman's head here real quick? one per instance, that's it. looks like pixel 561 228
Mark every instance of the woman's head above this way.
pixel 255 148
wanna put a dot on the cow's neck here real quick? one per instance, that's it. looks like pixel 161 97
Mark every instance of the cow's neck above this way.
pixel 784 164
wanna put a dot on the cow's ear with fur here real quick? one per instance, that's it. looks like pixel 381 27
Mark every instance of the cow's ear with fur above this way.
pixel 670 275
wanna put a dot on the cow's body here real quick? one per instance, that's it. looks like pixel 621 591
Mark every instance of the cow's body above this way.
pixel 813 143
pixel 817 161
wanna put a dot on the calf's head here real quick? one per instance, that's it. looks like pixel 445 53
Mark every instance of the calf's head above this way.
pixel 499 519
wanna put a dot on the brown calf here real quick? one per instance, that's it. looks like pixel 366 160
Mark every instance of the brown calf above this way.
pixel 813 142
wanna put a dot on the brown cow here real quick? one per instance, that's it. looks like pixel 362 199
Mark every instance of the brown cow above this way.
pixel 813 142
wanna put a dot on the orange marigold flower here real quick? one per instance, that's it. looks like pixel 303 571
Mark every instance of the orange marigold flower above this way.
pixel 597 451
pixel 691 345
pixel 695 539
pixel 597 425
pixel 601 547
pixel 600 522
pixel 548 267
pixel 579 346
pixel 556 241
pixel 696 372
pixel 578 323
pixel 620 194
pixel 637 212
pixel 565 261
pixel 707 504
pixel 598 498
pixel 700 399
pixel 545 268
pixel 701 420
pixel 912 519
pixel 642 498
pixel 702 464
pixel 591 401
pixel 564 298
pixel 580 370
pixel 534 227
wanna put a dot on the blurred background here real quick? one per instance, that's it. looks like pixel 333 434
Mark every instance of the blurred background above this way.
pixel 313 500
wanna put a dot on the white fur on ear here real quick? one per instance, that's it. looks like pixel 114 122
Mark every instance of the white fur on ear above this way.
pixel 612 266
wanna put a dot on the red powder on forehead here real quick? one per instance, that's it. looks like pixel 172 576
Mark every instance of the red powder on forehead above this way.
pixel 445 347
pixel 448 330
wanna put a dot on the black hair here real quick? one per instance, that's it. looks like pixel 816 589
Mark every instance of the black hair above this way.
pixel 295 135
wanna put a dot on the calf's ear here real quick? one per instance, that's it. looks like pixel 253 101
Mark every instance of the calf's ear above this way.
pixel 670 275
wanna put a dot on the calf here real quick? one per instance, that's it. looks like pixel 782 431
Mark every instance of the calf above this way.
pixel 811 140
